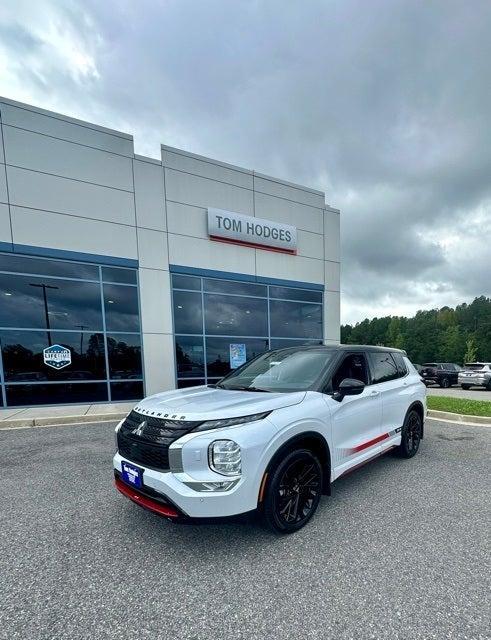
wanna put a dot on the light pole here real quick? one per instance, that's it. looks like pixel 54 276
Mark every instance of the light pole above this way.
pixel 44 286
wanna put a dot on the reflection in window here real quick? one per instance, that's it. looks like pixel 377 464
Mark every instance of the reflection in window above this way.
pixel 218 353
pixel 190 356
pixel 237 288
pixel 230 315
pixel 187 312
pixel 288 293
pixel 183 384
pixel 41 266
pixel 119 274
pixel 130 390
pixel 283 343
pixel 22 354
pixel 295 319
pixel 73 392
pixel 186 282
pixel 27 301
pixel 124 351
pixel 121 307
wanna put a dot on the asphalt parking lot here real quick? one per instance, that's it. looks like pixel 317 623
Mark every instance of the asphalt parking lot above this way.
pixel 456 392
pixel 399 551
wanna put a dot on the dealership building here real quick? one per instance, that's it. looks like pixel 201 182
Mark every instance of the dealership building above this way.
pixel 122 275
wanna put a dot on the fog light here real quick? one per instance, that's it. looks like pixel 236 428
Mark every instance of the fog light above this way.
pixel 225 485
pixel 224 457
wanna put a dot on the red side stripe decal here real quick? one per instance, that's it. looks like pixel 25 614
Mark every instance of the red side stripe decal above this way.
pixel 370 443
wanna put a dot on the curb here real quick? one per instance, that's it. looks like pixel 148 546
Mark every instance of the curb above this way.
pixel 458 417
pixel 60 420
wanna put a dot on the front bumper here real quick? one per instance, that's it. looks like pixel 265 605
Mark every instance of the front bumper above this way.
pixel 182 487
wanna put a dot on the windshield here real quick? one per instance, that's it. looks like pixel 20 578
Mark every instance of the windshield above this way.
pixel 284 371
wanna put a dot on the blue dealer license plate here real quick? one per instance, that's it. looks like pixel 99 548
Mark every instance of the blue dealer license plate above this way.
pixel 132 475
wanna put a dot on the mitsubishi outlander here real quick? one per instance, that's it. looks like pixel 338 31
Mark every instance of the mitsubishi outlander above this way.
pixel 272 436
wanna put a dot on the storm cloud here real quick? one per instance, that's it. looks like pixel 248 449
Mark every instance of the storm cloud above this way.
pixel 385 105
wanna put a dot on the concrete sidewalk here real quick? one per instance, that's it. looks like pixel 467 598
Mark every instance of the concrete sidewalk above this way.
pixel 64 414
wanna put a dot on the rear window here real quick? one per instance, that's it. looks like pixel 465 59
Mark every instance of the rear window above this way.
pixel 476 366
pixel 400 364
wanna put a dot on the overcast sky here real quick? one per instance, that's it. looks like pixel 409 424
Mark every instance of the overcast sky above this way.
pixel 383 104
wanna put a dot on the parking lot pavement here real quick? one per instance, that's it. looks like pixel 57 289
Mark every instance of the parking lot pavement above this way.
pixel 399 551
pixel 457 392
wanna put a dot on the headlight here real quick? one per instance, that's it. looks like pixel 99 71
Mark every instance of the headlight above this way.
pixel 224 457
pixel 230 422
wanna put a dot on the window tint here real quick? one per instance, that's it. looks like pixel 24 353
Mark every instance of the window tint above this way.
pixel 73 392
pixel 188 316
pixel 128 390
pixel 227 286
pixel 295 319
pixel 186 282
pixel 190 356
pixel 124 351
pixel 121 307
pixel 353 366
pixel 40 266
pixel 233 316
pixel 183 384
pixel 383 367
pixel 23 361
pixel 117 274
pixel 287 293
pixel 28 301
pixel 400 364
pixel 218 352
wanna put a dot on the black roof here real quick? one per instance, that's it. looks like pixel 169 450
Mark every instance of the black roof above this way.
pixel 347 347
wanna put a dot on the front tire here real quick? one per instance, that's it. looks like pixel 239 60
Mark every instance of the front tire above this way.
pixel 445 383
pixel 411 435
pixel 293 492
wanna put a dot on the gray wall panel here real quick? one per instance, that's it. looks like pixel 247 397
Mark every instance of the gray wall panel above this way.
pixel 60 128
pixel 42 153
pixel 62 195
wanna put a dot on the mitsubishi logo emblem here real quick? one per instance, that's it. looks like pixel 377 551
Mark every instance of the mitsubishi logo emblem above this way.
pixel 139 430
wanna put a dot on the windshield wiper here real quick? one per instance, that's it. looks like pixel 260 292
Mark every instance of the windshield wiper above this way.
pixel 248 389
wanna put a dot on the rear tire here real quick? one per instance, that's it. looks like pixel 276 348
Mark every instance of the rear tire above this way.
pixel 293 492
pixel 411 435
pixel 465 386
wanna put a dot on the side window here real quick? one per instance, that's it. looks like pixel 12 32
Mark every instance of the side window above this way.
pixel 353 366
pixel 400 364
pixel 384 367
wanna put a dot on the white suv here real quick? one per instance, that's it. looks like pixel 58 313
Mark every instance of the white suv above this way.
pixel 272 435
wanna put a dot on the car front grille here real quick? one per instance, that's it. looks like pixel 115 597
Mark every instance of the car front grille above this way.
pixel 145 440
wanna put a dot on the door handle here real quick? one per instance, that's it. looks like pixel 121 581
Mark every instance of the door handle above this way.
pixel 374 393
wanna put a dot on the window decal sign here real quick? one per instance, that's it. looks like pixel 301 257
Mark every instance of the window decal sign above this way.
pixel 250 231
pixel 237 355
pixel 57 356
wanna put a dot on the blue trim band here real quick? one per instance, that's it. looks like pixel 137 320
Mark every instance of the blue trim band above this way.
pixel 6 246
pixel 243 277
pixel 45 252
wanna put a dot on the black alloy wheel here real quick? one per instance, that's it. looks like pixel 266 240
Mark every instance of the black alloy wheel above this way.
pixel 293 492
pixel 445 383
pixel 411 435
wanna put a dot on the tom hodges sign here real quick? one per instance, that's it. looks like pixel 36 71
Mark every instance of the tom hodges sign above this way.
pixel 247 230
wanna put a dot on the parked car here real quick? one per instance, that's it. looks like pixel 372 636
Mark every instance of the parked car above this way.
pixel 444 374
pixel 272 435
pixel 476 374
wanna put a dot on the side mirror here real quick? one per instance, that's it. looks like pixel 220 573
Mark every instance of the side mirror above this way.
pixel 349 387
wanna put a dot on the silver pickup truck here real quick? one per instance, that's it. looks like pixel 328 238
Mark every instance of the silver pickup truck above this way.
pixel 475 374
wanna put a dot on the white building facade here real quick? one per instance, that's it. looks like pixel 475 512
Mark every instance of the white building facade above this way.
pixel 122 276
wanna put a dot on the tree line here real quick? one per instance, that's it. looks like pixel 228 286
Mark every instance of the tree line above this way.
pixel 455 335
